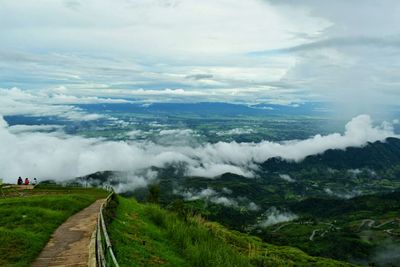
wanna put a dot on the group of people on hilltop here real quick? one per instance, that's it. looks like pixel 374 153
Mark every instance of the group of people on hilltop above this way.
pixel 26 182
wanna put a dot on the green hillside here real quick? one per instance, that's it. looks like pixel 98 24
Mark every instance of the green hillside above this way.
pixel 363 229
pixel 28 218
pixel 378 155
pixel 147 235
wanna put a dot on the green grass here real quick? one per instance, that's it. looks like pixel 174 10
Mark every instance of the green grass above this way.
pixel 27 222
pixel 146 235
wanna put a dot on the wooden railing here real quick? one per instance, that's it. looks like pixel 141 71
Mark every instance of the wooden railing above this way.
pixel 104 253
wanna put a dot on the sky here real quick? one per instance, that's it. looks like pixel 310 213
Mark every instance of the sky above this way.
pixel 252 51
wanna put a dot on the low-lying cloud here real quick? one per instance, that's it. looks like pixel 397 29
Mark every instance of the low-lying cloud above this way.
pixel 56 155
pixel 287 178
pixel 211 195
pixel 235 131
pixel 344 195
pixel 275 216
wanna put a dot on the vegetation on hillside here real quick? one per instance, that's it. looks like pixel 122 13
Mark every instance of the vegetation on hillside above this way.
pixel 362 229
pixel 28 220
pixel 147 235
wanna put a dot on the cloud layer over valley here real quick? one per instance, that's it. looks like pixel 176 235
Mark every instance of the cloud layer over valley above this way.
pixel 56 155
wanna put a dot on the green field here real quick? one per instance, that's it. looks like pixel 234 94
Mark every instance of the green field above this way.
pixel 28 218
pixel 147 235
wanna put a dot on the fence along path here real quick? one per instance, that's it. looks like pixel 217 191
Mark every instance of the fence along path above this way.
pixel 104 253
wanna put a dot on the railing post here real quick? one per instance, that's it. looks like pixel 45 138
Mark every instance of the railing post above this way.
pixel 103 255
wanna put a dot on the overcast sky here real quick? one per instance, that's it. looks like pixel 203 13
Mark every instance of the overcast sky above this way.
pixel 209 50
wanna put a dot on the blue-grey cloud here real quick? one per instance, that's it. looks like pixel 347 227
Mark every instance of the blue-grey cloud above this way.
pixel 361 41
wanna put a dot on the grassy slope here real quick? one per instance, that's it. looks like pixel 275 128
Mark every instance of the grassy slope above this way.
pixel 26 223
pixel 146 235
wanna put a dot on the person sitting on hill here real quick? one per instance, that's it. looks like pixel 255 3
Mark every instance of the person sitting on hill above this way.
pixel 19 181
pixel 34 182
pixel 26 181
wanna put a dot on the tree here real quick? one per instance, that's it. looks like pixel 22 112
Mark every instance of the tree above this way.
pixel 154 193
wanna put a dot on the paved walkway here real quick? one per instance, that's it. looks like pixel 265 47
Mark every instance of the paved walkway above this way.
pixel 69 244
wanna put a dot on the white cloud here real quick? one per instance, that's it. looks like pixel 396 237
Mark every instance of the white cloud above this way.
pixel 344 195
pixel 214 169
pixel 15 101
pixel 156 48
pixel 134 133
pixel 203 194
pixel 184 132
pixel 275 216
pixel 133 180
pixel 287 178
pixel 227 202
pixel 354 172
pixel 71 99
pixel 227 190
pixel 352 63
pixel 59 156
pixel 253 206
pixel 213 196
pixel 156 27
pixel 235 131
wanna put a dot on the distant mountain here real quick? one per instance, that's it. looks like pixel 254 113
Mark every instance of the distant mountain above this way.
pixel 377 156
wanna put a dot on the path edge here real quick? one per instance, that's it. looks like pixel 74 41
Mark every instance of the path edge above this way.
pixel 92 261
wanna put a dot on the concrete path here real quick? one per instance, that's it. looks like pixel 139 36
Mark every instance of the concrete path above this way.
pixel 69 244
